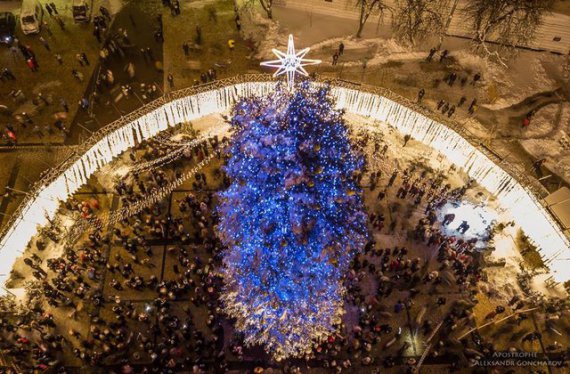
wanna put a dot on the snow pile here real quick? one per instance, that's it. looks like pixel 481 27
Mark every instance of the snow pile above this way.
pixel 198 4
pixel 511 91
pixel 388 46
pixel 263 32
pixel 543 123
pixel 555 144
pixel 476 63
pixel 492 74
pixel 386 50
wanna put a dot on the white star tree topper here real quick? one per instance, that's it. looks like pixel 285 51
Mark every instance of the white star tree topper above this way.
pixel 290 62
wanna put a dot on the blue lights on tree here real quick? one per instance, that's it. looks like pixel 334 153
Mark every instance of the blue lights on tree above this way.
pixel 291 219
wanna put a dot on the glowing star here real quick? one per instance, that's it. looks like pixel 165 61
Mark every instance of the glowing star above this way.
pixel 290 62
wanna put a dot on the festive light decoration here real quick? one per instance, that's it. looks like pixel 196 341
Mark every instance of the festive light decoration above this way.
pixel 176 153
pixel 291 219
pixel 192 103
pixel 290 63
pixel 112 218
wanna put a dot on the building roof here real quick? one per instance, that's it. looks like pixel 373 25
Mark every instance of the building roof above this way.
pixel 558 203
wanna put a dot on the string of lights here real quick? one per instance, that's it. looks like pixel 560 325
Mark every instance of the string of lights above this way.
pixel 112 218
pixel 170 156
pixel 291 220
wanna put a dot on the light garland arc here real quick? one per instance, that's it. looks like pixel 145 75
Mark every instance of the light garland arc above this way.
pixel 447 137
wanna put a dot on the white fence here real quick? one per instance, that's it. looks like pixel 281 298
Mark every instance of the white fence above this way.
pixel 190 104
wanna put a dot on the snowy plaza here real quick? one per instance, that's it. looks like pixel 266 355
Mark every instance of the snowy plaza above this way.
pixel 290 187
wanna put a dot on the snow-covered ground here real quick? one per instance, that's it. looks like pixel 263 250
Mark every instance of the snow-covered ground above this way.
pixel 549 138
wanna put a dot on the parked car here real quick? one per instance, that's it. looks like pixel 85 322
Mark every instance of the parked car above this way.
pixel 7 27
pixel 31 17
pixel 81 11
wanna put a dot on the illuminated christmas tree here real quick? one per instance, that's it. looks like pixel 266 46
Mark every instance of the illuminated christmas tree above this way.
pixel 291 220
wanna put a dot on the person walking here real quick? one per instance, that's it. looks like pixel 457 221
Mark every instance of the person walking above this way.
pixel 198 35
pixel 45 43
pixel 176 8
pixel 537 165
pixel 212 14
pixel 83 57
pixel 476 78
pixel 335 59
pixel 171 80
pixel 440 104
pixel 64 104
pixel 525 122
pixel 341 49
pixel 130 69
pixel 12 136
pixel 109 77
pixel 238 23
pixel 32 64
pixel 472 106
pixel 60 23
pixel 149 54
pixel 462 101
pixel 421 94
pixel 431 54
pixel 79 59
pixel 186 49
pixel 8 74
pixel 77 75
pixel 46 27
pixel 14 51
pixel 97 33
pixel 84 103
pixel 105 12
pixel 43 99
pixel 443 55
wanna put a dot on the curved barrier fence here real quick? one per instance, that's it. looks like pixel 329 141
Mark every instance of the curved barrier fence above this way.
pixel 516 193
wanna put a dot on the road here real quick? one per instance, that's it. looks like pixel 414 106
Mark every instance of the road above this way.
pixel 112 103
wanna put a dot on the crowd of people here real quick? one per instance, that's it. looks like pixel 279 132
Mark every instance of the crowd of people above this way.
pixel 443 106
pixel 84 306
pixel 143 295
pixel 24 52
pixel 117 56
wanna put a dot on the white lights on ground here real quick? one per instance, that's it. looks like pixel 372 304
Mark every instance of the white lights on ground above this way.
pixel 478 217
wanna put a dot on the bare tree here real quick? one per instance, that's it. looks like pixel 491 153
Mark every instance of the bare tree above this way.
pixel 507 22
pixel 267 6
pixel 368 7
pixel 413 20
